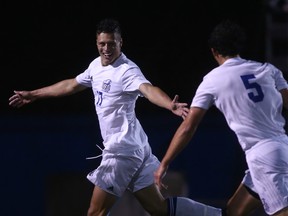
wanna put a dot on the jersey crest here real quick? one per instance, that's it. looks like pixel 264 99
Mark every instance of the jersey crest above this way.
pixel 106 85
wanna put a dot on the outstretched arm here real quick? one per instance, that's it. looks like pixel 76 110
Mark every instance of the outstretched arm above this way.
pixel 158 97
pixel 179 141
pixel 62 88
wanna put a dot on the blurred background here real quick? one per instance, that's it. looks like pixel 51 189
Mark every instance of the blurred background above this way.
pixel 45 144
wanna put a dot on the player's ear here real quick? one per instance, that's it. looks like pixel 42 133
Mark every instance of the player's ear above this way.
pixel 215 53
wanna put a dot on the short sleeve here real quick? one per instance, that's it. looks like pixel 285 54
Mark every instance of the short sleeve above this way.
pixel 204 95
pixel 132 79
pixel 280 81
pixel 85 78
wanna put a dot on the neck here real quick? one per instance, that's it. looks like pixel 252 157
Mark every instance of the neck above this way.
pixel 221 59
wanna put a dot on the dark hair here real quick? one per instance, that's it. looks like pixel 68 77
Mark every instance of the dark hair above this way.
pixel 108 25
pixel 227 38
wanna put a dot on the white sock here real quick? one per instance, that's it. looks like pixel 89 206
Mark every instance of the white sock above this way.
pixel 181 206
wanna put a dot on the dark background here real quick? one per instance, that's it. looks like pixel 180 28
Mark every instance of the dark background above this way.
pixel 46 41
pixel 44 144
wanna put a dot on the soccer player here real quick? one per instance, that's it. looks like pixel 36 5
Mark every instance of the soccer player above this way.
pixel 250 95
pixel 127 160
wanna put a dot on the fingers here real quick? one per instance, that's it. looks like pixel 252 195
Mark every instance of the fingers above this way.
pixel 158 180
pixel 180 109
pixel 178 104
pixel 175 100
pixel 164 186
pixel 159 175
pixel 185 112
pixel 16 100
pixel 182 105
pixel 159 183
pixel 13 99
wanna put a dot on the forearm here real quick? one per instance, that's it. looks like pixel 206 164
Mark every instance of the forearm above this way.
pixel 184 134
pixel 177 144
pixel 158 97
pixel 62 88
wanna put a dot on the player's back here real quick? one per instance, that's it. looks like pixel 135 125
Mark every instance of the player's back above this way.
pixel 245 91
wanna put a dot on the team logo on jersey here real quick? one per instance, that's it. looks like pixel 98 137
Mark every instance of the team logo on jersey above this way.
pixel 106 85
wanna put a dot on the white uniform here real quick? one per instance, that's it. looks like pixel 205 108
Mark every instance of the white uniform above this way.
pixel 127 159
pixel 247 93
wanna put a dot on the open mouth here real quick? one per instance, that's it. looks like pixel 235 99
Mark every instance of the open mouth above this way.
pixel 107 55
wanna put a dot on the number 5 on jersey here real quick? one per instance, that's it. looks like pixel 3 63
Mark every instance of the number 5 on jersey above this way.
pixel 253 85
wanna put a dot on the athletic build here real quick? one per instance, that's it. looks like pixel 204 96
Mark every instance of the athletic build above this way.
pixel 127 160
pixel 251 96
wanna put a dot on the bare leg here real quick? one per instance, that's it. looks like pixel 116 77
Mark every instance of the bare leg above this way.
pixel 101 202
pixel 152 200
pixel 283 212
pixel 242 203
pixel 154 203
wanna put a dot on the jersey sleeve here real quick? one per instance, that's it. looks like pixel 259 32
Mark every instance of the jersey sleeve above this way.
pixel 280 81
pixel 85 78
pixel 204 95
pixel 132 79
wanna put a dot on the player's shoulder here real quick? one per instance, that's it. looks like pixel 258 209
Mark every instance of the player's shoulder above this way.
pixel 259 63
pixel 124 64
pixel 264 66
pixel 95 62
pixel 127 62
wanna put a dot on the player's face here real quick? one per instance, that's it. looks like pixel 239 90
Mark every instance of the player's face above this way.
pixel 109 47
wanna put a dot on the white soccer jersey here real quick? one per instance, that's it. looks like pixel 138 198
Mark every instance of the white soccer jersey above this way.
pixel 239 85
pixel 116 89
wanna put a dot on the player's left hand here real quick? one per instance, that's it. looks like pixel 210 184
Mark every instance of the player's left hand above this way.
pixel 178 108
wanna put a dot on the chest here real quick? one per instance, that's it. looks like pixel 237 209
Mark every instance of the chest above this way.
pixel 107 81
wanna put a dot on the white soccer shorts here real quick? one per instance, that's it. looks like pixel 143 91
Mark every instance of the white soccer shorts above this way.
pixel 121 171
pixel 268 176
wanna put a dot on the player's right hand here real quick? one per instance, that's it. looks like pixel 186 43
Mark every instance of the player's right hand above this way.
pixel 159 175
pixel 20 98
